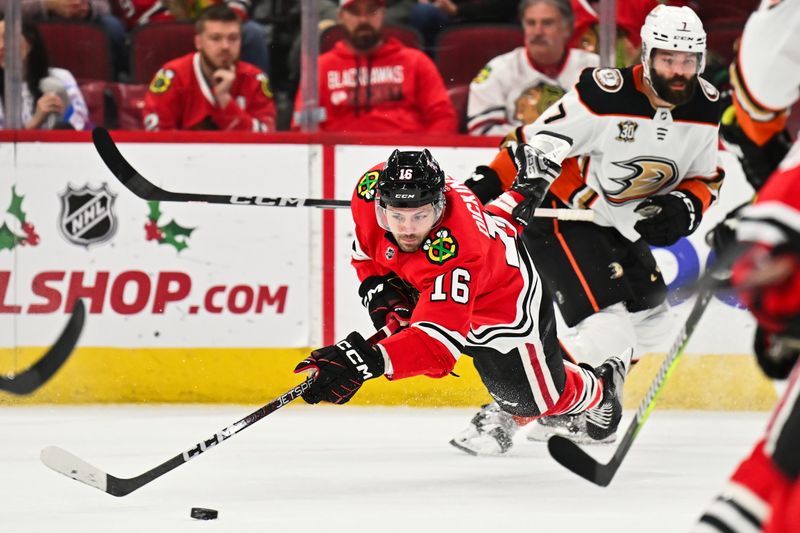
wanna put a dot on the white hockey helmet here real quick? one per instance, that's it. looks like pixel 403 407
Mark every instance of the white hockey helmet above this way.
pixel 673 28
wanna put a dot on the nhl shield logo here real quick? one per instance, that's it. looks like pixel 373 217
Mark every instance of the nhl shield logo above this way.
pixel 87 215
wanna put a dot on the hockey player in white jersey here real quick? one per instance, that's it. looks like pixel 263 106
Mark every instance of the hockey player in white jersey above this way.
pixel 515 87
pixel 638 146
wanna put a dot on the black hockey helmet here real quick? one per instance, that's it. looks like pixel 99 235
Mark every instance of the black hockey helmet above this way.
pixel 410 179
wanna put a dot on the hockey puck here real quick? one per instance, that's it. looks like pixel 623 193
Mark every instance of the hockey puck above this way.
pixel 201 513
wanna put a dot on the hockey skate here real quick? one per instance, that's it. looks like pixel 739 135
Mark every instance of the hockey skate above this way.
pixel 572 427
pixel 490 432
pixel 602 421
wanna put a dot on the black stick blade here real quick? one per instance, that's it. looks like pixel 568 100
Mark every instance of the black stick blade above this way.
pixel 37 375
pixel 122 170
pixel 573 458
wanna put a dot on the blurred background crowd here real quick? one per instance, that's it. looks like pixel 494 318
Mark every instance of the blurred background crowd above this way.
pixel 452 66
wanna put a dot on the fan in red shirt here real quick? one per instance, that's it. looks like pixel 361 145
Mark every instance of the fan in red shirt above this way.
pixel 371 84
pixel 211 89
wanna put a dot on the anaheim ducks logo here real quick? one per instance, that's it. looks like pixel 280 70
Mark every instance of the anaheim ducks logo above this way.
pixel 648 175
pixel 366 185
pixel 441 247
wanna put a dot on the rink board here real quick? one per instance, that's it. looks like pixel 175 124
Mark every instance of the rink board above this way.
pixel 201 303
pixel 256 376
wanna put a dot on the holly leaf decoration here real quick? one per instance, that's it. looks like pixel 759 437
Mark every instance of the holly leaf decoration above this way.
pixel 16 205
pixel 175 235
pixel 8 240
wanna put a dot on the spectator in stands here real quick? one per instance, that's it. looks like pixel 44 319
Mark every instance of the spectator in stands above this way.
pixel 430 16
pixel 255 45
pixel 514 88
pixel 369 83
pixel 98 11
pixel 51 98
pixel 211 89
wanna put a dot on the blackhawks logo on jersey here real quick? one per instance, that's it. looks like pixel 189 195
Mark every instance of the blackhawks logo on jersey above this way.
pixel 441 247
pixel 483 75
pixel 366 185
pixel 162 81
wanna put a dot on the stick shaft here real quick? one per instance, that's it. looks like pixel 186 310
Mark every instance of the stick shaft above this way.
pixel 147 190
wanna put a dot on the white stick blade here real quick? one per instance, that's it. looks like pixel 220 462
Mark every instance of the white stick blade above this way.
pixel 65 463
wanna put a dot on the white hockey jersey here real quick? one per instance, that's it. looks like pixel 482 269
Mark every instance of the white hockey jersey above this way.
pixel 495 91
pixel 766 75
pixel 630 149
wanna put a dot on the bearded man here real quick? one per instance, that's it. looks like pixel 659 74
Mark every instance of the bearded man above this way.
pixel 370 83
pixel 211 89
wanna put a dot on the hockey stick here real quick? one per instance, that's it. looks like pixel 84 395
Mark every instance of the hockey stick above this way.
pixel 37 375
pixel 145 189
pixel 571 456
pixel 76 468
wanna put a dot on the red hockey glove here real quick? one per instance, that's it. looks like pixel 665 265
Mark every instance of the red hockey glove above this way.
pixel 668 217
pixel 389 300
pixel 341 369
pixel 768 281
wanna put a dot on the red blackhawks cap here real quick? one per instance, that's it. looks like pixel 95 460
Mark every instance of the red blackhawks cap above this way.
pixel 345 3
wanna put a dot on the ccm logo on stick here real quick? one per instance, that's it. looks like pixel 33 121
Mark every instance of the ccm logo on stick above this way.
pixel 263 200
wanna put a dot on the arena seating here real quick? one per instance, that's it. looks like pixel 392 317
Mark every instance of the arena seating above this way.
pixel 80 47
pixel 155 44
pixel 462 51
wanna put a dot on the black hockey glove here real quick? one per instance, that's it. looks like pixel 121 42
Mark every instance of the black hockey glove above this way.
pixel 668 217
pixel 485 183
pixel 341 369
pixel 722 237
pixel 389 300
pixel 758 162
pixel 535 174
pixel 776 355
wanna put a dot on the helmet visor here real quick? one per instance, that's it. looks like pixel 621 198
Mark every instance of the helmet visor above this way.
pixel 399 219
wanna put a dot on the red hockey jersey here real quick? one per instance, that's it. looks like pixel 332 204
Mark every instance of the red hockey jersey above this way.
pixel 477 286
pixel 180 98
pixel 396 89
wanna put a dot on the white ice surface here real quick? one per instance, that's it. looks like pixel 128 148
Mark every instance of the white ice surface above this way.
pixel 352 469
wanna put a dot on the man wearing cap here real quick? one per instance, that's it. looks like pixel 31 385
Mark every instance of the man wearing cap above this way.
pixel 369 83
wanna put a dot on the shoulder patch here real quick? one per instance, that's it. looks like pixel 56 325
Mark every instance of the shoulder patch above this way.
pixel 162 81
pixel 365 189
pixel 708 89
pixel 612 91
pixel 483 75
pixel 608 79
pixel 440 247
pixel 263 81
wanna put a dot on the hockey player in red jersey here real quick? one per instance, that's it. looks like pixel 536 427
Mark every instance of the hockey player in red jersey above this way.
pixel 211 89
pixel 763 494
pixel 479 294
pixel 641 149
